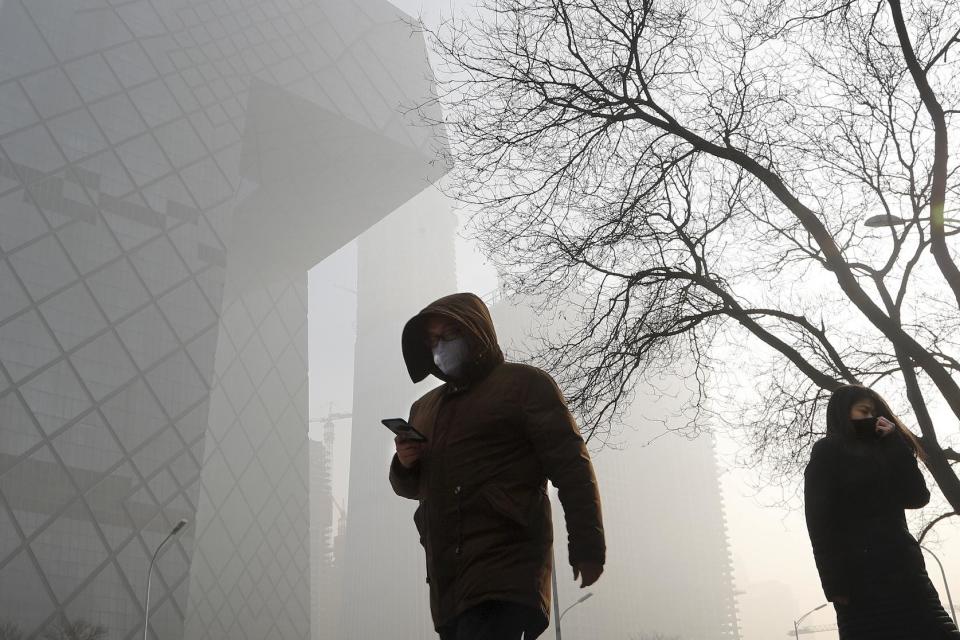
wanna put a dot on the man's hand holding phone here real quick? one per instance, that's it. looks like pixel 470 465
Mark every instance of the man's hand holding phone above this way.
pixel 408 441
pixel 408 451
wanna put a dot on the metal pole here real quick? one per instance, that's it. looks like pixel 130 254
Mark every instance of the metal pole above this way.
pixel 796 623
pixel 146 603
pixel 556 598
pixel 946 587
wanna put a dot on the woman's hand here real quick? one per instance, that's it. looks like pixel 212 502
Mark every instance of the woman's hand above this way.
pixel 885 427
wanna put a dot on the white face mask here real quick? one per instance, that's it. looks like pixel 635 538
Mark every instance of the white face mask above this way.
pixel 451 355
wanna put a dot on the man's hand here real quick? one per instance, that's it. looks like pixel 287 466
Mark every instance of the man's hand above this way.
pixel 589 572
pixel 408 451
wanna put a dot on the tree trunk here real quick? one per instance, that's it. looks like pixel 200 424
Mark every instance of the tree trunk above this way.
pixel 943 474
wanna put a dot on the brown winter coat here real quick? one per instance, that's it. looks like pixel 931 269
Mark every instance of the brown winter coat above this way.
pixel 494 440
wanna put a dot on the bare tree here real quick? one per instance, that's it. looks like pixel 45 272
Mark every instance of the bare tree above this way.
pixel 10 631
pixel 79 630
pixel 697 179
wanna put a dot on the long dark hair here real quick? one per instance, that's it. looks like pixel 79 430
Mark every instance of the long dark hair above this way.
pixel 838 415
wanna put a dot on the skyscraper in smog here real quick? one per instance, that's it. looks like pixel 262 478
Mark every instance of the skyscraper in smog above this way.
pixel 669 568
pixel 404 262
pixel 324 586
pixel 169 170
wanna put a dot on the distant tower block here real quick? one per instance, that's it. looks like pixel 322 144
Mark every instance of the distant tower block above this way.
pixel 669 569
pixel 405 262
pixel 321 537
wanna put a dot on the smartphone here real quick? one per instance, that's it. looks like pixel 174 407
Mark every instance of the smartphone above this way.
pixel 403 429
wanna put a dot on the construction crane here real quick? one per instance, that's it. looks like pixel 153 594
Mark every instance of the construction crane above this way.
pixel 331 416
pixel 341 520
pixel 328 421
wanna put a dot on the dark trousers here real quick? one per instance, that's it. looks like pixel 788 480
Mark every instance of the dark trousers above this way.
pixel 495 620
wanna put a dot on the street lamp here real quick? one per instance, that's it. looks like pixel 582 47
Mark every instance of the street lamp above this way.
pixel 946 587
pixel 556 595
pixel 796 623
pixel 586 597
pixel 891 220
pixel 146 605
pixel 557 614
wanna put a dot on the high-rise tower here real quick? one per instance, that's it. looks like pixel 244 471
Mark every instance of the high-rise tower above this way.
pixel 322 569
pixel 405 262
pixel 169 170
pixel 668 566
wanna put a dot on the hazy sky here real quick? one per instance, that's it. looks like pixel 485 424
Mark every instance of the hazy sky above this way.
pixel 773 564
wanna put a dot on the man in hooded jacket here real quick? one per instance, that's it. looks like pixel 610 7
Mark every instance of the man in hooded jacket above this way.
pixel 496 432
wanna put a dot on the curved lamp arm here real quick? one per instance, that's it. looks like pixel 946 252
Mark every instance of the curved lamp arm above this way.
pixel 796 623
pixel 586 597
pixel 146 603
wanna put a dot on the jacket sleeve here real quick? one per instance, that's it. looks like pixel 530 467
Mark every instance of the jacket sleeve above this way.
pixel 562 453
pixel 405 482
pixel 821 508
pixel 907 483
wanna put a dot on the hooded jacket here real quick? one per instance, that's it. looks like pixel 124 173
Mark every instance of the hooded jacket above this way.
pixel 494 438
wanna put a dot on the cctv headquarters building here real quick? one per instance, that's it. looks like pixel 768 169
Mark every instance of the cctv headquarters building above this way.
pixel 169 171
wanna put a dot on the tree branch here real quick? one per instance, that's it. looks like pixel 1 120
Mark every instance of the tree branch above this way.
pixel 930 525
pixel 938 246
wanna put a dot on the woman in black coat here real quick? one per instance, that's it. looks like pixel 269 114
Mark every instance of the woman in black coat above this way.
pixel 860 478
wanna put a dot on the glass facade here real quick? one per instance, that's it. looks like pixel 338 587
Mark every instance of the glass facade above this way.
pixel 250 575
pixel 169 170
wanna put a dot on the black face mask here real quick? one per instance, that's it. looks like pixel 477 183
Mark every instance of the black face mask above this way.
pixel 865 428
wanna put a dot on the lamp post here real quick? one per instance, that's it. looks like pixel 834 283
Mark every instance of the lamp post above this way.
pixel 146 604
pixel 556 596
pixel 586 597
pixel 796 623
pixel 557 614
pixel 891 220
pixel 946 587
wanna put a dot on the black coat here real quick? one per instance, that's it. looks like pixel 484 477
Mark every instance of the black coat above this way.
pixel 855 496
